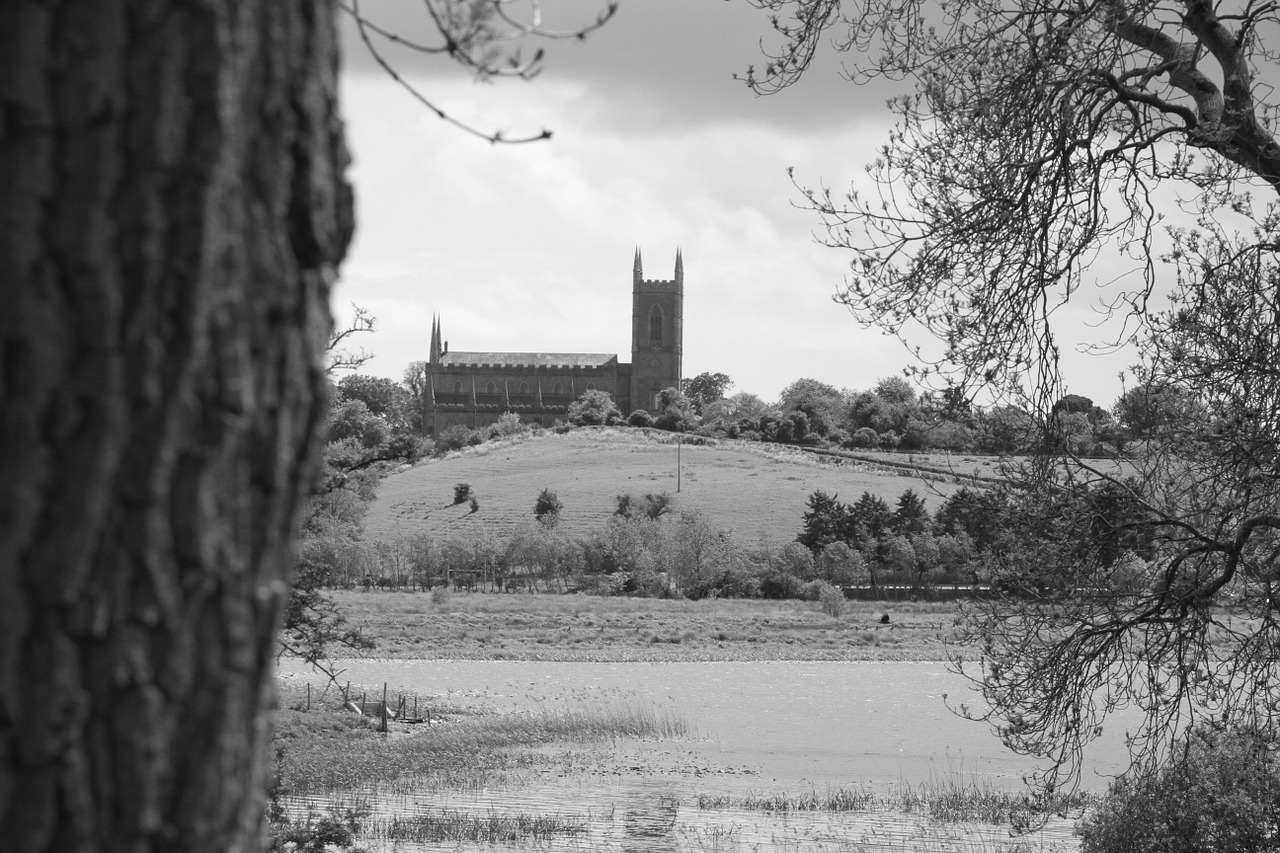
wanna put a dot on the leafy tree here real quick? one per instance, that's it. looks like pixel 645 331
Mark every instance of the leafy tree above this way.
pixel 896 390
pixel 415 383
pixel 1005 429
pixel 842 565
pixel 819 401
pixel 706 388
pixel 594 408
pixel 742 408
pixel 675 412
pixel 898 555
pixel 384 397
pixel 1145 409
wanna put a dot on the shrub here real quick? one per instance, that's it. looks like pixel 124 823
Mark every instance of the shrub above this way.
pixel 864 437
pixel 650 506
pixel 455 437
pixel 640 418
pixel 1221 794
pixel 738 583
pixel 831 598
pixel 594 408
pixel 547 507
pixel 461 492
pixel 508 423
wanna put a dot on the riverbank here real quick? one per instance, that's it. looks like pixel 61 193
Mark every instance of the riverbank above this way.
pixel 548 627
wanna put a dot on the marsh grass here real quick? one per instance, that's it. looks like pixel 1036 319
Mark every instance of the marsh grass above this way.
pixel 327 751
pixel 953 799
pixel 459 827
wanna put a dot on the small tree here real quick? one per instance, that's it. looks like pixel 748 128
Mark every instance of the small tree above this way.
pixel 594 408
pixel 705 389
pixel 547 508
pixel 675 412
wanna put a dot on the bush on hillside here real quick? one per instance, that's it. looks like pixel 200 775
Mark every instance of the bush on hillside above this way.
pixel 508 424
pixel 461 491
pixel 547 507
pixel 455 437
pixel 640 418
pixel 594 408
pixel 650 506
pixel 1222 794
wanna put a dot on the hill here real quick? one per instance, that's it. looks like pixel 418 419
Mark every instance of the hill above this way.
pixel 752 490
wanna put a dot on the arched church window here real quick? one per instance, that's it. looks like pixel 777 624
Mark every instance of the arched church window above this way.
pixel 524 387
pixel 457 387
pixel 557 388
pixel 591 386
pixel 491 388
pixel 655 324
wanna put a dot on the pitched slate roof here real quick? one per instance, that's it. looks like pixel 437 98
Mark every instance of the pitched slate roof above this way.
pixel 527 359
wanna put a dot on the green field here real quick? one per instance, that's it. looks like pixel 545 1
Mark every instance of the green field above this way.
pixel 487 626
pixel 752 490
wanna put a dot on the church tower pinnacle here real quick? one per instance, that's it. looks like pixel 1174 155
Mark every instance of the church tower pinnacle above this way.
pixel 434 356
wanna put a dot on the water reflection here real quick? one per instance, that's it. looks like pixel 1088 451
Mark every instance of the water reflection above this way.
pixel 649 825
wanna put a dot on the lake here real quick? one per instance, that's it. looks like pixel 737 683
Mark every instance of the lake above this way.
pixel 762 728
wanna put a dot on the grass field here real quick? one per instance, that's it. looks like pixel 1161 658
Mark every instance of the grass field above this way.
pixel 505 626
pixel 753 490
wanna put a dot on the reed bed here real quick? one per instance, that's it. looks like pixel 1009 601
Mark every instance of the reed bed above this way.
pixel 459 827
pixel 949 800
pixel 325 751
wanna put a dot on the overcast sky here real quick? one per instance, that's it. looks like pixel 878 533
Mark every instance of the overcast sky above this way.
pixel 529 247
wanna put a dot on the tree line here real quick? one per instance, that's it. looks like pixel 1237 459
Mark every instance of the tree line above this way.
pixel 892 415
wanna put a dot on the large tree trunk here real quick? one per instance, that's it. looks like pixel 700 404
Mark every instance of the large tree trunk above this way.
pixel 172 207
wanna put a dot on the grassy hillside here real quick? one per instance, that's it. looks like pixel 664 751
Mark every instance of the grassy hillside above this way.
pixel 750 489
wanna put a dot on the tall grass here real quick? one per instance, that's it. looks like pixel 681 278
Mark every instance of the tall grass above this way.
pixel 459 827
pixel 330 750
pixel 949 800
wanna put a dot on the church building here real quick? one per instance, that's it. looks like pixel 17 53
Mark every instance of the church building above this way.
pixel 475 388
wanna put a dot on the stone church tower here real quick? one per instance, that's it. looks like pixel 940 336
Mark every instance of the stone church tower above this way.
pixel 657 333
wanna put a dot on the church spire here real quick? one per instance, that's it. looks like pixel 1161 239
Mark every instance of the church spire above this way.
pixel 679 265
pixel 434 356
pixel 637 269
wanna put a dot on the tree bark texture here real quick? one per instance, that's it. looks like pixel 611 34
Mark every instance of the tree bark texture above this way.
pixel 172 208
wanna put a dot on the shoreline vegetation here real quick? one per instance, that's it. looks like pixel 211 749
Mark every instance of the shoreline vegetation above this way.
pixel 330 759
pixel 580 628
